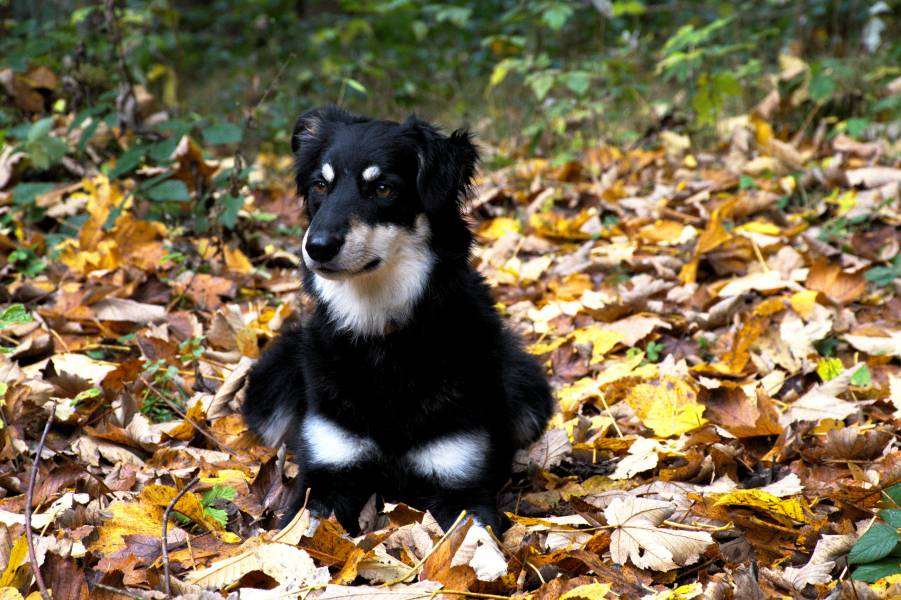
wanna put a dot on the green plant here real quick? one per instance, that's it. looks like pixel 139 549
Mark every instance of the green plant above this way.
pixel 156 401
pixel 26 262
pixel 884 276
pixel 211 502
pixel 877 552
pixel 14 314
pixel 654 351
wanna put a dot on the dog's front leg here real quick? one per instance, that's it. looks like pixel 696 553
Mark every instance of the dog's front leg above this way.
pixel 342 492
pixel 446 506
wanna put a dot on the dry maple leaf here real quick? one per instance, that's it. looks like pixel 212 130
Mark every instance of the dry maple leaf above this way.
pixel 668 406
pixel 639 538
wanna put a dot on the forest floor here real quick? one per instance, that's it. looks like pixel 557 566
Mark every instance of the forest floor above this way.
pixel 722 331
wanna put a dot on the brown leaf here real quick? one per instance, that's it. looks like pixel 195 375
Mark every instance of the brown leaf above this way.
pixel 207 291
pixel 438 567
pixel 65 577
pixel 731 408
pixel 840 287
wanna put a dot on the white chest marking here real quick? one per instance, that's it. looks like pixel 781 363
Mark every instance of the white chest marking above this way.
pixel 366 304
pixel 453 459
pixel 330 444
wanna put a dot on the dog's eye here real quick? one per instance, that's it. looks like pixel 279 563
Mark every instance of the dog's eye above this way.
pixel 383 190
pixel 320 187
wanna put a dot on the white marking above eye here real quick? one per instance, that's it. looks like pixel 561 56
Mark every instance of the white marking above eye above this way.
pixel 371 172
pixel 328 173
pixel 453 459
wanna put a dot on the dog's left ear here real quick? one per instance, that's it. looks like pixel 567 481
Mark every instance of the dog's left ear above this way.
pixel 447 165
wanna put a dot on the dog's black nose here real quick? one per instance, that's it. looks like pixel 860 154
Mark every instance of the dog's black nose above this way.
pixel 323 247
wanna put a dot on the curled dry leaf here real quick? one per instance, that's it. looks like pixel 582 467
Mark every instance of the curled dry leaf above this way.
pixel 638 538
pixel 550 449
pixel 481 552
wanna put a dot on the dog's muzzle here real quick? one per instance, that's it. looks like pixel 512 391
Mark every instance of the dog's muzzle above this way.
pixel 323 254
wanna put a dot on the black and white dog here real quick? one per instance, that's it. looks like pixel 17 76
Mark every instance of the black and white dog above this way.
pixel 403 382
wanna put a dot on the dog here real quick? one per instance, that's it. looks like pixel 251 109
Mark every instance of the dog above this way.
pixel 403 381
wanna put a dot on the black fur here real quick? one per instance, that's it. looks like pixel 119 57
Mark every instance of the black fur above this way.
pixel 449 367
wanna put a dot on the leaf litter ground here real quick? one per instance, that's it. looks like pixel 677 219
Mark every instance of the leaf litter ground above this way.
pixel 723 334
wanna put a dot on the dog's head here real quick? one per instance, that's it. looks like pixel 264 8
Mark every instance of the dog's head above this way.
pixel 374 188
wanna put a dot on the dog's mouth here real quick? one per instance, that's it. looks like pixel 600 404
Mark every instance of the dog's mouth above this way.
pixel 333 273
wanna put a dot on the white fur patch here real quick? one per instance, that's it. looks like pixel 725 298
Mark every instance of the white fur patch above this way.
pixel 452 459
pixel 273 429
pixel 371 172
pixel 367 303
pixel 330 444
pixel 328 173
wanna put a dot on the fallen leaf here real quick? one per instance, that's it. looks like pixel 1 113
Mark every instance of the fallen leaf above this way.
pixel 668 406
pixel 282 562
pixel 121 309
pixel 591 591
pixel 480 551
pixel 638 537
pixel 822 402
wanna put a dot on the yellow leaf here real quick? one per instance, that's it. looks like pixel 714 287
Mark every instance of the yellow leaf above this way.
pixel 846 202
pixel 591 591
pixel 788 184
pixel 782 509
pixel 16 557
pixel 540 348
pixel 237 261
pixel 669 406
pixel 10 593
pixel 128 518
pixel 803 302
pixel 554 225
pixel 887 583
pixel 760 227
pixel 829 368
pixel 228 537
pixel 230 477
pixel 602 341
pixel 188 505
pixel 185 430
pixel 664 231
pixel 683 592
pixel 497 228
pixel 762 130
pixel 628 367
pixel 570 397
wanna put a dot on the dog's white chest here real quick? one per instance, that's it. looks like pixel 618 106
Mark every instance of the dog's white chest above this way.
pixel 330 444
pixel 452 459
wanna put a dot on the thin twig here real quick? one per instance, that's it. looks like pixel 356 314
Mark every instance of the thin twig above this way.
pixel 184 416
pixel 29 497
pixel 165 546
pixel 119 591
